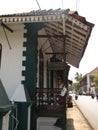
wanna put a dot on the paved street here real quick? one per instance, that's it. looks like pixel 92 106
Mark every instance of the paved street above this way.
pixel 76 120
pixel 89 107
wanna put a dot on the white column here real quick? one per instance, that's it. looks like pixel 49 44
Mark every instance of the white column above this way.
pixel 45 72
pixel 88 82
pixel 5 123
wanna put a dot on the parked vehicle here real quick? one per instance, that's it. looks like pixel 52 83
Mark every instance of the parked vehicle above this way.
pixel 76 97
pixel 69 101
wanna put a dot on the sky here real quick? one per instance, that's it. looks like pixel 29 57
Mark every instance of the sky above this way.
pixel 85 8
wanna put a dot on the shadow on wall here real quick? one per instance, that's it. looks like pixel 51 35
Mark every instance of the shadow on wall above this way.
pixel 70 125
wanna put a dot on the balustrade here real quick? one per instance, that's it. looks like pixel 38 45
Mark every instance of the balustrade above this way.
pixel 49 101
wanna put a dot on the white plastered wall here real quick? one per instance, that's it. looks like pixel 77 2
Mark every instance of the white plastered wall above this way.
pixel 11 61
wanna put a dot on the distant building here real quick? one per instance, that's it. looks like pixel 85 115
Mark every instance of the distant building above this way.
pixel 87 83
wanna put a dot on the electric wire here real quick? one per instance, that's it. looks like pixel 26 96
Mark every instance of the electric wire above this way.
pixel 38 4
pixel 17 121
pixel 7 38
pixel 62 4
pixel 77 4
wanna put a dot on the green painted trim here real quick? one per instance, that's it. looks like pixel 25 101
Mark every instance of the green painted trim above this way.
pixel 22 109
pixel 31 58
pixel 4 100
pixel 30 73
pixel 5 104
pixel 0 123
pixel 5 109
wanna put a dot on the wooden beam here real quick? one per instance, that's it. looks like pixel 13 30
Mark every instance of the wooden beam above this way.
pixel 55 53
pixel 8 28
pixel 49 36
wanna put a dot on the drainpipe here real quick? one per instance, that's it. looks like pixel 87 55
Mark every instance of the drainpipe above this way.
pixel 29 112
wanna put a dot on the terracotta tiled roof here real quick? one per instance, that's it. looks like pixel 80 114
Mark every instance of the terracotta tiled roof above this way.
pixel 94 71
pixel 67 31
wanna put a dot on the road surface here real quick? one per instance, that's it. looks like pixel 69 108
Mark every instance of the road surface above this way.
pixel 89 107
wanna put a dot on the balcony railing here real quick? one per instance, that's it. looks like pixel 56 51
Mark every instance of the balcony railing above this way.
pixel 49 102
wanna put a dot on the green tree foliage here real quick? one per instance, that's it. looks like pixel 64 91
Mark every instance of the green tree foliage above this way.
pixel 76 86
pixel 78 77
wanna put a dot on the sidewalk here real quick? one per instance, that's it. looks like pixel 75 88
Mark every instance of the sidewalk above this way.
pixel 76 120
